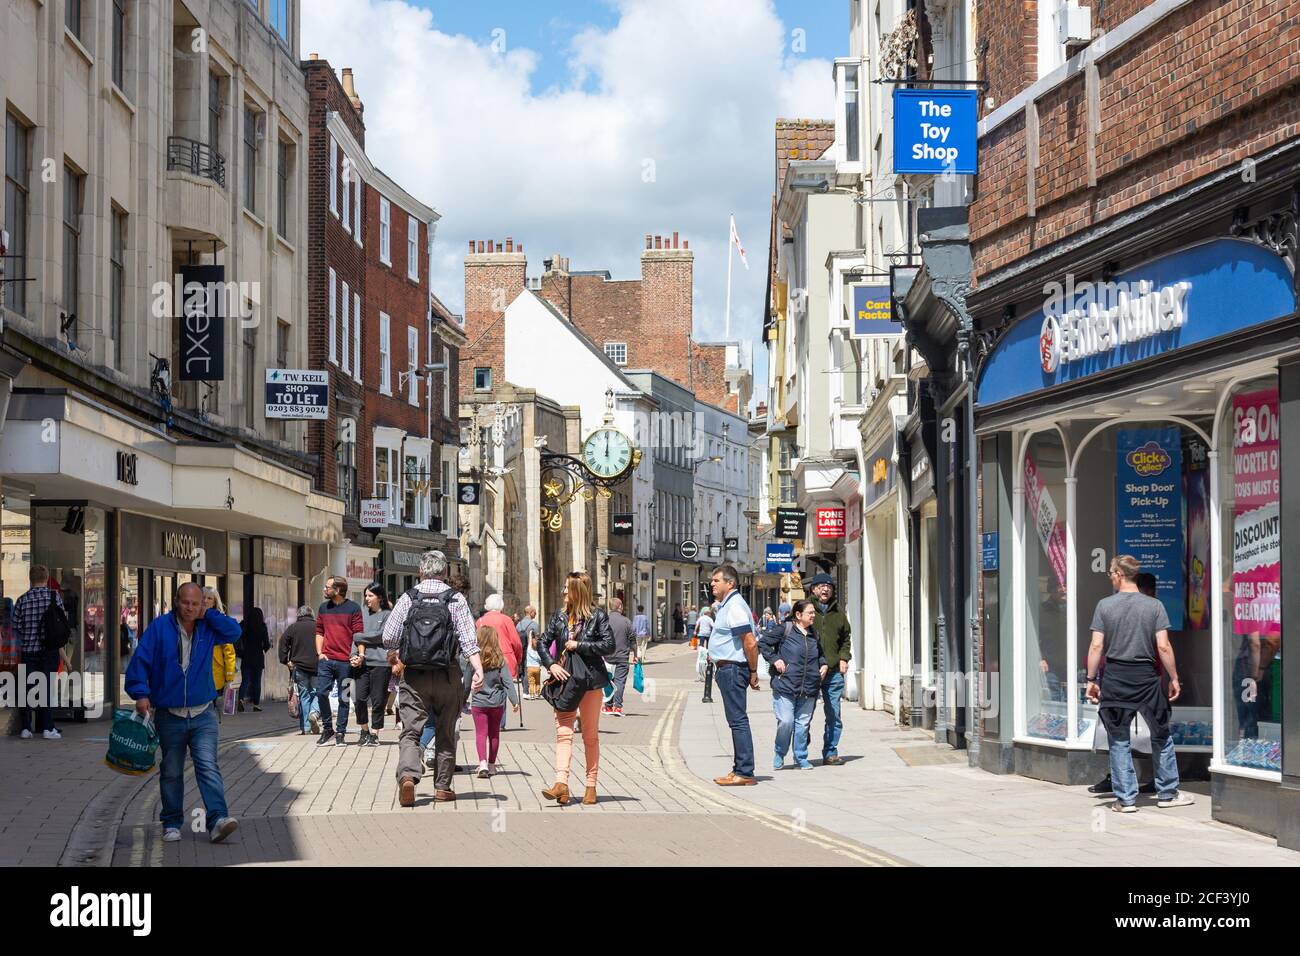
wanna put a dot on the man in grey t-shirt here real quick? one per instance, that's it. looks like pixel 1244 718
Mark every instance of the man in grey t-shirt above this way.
pixel 1131 630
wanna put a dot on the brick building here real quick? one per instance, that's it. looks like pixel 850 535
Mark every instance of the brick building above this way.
pixel 390 346
pixel 1133 285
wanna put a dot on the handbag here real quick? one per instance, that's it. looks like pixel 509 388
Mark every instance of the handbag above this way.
pixel 295 705
pixel 638 678
pixel 564 695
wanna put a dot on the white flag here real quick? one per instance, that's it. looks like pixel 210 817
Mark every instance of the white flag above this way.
pixel 735 238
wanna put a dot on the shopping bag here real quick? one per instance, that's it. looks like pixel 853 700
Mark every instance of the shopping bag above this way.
pixel 132 743
pixel 295 705
pixel 1139 736
pixel 701 662
pixel 609 686
pixel 228 700
pixel 638 678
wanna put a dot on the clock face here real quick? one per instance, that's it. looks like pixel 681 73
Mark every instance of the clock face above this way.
pixel 607 452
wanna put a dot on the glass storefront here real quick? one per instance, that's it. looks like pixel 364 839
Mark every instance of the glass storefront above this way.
pixel 1251 608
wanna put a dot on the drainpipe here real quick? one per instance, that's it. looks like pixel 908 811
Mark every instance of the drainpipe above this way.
pixel 862 567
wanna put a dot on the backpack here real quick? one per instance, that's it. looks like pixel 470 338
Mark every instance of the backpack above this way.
pixel 429 640
pixel 54 625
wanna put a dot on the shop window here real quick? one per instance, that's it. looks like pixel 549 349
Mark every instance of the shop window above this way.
pixel 1046 660
pixel 1252 606
pixel 17 181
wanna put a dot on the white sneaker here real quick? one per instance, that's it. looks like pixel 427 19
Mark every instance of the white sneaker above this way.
pixel 225 826
pixel 1179 799
pixel 52 734
pixel 26 735
pixel 172 835
pixel 483 771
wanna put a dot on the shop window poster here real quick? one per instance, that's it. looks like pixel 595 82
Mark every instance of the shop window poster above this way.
pixel 1256 525
pixel 1149 510
pixel 1043 513
pixel 1196 494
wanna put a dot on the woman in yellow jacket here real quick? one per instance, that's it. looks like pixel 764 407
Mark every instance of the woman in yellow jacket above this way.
pixel 223 655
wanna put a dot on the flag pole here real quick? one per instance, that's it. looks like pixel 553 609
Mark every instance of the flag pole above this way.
pixel 727 334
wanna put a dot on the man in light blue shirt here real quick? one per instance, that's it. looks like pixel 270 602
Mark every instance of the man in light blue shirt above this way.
pixel 734 651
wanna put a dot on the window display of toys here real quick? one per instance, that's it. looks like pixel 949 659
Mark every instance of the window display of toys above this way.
pixel 1053 726
pixel 1256 754
pixel 1196 733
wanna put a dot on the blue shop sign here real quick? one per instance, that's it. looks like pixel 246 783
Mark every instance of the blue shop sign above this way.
pixel 1201 293
pixel 780 558
pixel 989 551
pixel 934 131
pixel 873 311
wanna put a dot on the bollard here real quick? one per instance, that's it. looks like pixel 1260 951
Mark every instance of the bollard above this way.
pixel 708 682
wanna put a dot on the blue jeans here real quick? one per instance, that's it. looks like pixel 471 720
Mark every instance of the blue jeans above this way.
pixel 329 673
pixel 793 716
pixel 199 735
pixel 832 694
pixel 305 681
pixel 1123 777
pixel 733 683
pixel 250 687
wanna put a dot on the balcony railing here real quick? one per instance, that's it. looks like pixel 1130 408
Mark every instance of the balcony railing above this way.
pixel 197 158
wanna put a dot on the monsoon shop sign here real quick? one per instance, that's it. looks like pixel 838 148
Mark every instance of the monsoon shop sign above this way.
pixel 1205 292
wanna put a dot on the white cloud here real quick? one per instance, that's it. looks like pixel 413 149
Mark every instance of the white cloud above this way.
pixel 693 85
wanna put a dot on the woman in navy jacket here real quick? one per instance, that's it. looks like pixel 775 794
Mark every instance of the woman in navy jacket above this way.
pixel 794 655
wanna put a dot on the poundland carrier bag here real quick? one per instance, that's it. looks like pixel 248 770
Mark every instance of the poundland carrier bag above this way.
pixel 132 743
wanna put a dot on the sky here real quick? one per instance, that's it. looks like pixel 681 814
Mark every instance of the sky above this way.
pixel 578 126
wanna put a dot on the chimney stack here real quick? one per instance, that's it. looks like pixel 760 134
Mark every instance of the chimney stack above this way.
pixel 315 56
pixel 510 244
pixel 648 243
pixel 674 238
pixel 350 89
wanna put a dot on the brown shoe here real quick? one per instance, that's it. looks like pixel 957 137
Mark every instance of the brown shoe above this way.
pixel 832 761
pixel 735 780
pixel 444 796
pixel 589 798
pixel 559 793
pixel 406 792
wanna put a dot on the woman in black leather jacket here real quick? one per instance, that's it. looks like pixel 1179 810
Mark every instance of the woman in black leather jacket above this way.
pixel 579 632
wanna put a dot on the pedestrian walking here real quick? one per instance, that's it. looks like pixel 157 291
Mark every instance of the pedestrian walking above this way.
pixel 254 642
pixel 43 629
pixel 622 658
pixel 224 659
pixel 338 622
pixel 836 638
pixel 1130 631
pixel 371 667
pixel 692 615
pixel 794 654
pixel 734 651
pixel 767 620
pixel 297 651
pixel 703 628
pixel 641 630
pixel 488 703
pixel 679 622
pixel 512 647
pixel 534 664
pixel 430 627
pixel 171 674
pixel 581 636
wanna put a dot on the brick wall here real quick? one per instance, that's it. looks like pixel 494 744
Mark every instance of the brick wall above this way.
pixel 667 268
pixel 329 246
pixel 1215 82
pixel 710 374
pixel 494 277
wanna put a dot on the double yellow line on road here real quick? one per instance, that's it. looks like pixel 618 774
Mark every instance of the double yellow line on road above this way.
pixel 663 750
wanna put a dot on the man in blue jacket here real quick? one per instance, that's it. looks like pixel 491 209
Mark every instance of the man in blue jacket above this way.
pixel 171 672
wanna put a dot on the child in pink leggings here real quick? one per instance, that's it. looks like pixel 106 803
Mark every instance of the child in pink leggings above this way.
pixel 489 701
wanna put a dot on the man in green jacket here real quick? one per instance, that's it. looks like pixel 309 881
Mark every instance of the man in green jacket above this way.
pixel 833 632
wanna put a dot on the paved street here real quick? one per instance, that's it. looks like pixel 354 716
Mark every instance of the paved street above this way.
pixel 898 800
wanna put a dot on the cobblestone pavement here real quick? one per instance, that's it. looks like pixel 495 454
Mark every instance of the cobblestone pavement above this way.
pixel 299 803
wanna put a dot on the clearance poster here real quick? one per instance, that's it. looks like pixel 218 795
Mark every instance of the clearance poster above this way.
pixel 1043 513
pixel 1196 494
pixel 1149 499
pixel 1256 525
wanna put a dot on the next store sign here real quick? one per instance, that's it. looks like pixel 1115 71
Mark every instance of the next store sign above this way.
pixel 934 131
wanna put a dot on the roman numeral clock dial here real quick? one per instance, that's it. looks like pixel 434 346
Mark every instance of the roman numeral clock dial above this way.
pixel 607 453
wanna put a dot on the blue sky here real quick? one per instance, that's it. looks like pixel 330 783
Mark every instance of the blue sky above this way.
pixel 578 127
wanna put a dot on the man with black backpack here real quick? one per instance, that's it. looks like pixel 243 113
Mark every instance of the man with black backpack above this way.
pixel 427 632
pixel 42 626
